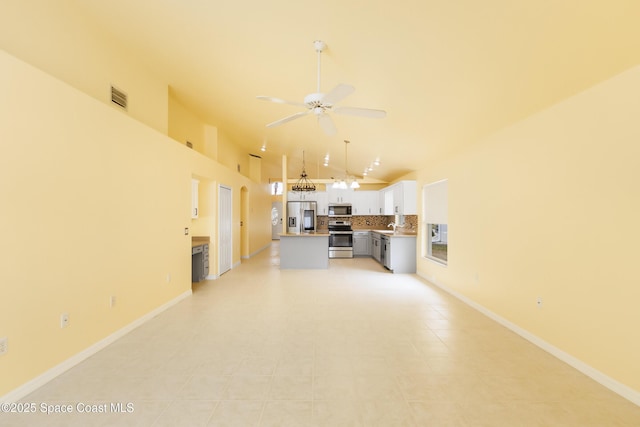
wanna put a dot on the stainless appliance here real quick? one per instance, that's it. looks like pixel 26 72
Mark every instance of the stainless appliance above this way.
pixel 385 251
pixel 301 217
pixel 339 209
pixel 340 239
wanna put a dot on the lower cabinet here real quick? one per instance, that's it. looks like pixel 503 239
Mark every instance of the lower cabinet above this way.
pixel 400 255
pixel 199 262
pixel 361 243
pixel 395 253
pixel 376 247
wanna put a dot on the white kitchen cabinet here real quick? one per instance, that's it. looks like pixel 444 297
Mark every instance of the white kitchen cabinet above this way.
pixel 322 199
pixel 337 195
pixel 386 201
pixel 361 243
pixel 401 254
pixel 375 246
pixel 400 199
pixel 296 196
pixel 195 184
pixel 366 203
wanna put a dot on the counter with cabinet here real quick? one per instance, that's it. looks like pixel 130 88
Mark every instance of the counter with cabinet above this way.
pixel 199 258
pixel 395 251
pixel 304 251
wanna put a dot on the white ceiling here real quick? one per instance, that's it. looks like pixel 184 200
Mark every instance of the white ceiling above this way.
pixel 446 72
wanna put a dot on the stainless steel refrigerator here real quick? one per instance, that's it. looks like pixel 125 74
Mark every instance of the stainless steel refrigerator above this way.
pixel 301 217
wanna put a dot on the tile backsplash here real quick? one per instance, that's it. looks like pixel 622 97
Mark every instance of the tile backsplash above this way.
pixel 371 222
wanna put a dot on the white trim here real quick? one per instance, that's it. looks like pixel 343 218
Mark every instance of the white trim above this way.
pixel 605 380
pixel 256 252
pixel 435 260
pixel 40 380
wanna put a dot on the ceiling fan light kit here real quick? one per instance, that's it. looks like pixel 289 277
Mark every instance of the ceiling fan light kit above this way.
pixel 320 104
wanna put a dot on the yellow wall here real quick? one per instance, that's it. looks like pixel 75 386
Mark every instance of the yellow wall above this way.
pixel 94 204
pixel 55 37
pixel 183 126
pixel 549 208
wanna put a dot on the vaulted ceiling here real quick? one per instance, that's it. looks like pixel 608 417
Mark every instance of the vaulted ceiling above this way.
pixel 446 72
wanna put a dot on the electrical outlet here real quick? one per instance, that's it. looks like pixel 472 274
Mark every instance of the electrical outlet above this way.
pixel 64 320
pixel 168 277
pixel 539 302
pixel 186 231
pixel 112 301
pixel 4 345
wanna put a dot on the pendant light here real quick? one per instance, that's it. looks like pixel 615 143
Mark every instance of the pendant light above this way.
pixel 348 181
pixel 303 185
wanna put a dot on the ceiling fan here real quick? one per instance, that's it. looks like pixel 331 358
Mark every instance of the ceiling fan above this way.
pixel 320 104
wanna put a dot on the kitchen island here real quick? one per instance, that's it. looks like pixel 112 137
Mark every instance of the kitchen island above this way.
pixel 304 251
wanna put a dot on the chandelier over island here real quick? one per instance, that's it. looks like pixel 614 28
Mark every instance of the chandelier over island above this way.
pixel 347 181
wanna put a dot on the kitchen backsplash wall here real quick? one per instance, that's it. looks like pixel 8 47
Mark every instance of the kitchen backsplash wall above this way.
pixel 371 222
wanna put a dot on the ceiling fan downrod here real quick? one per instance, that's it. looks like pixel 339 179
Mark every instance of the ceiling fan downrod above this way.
pixel 320 46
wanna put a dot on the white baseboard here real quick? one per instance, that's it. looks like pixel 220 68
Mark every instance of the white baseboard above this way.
pixel 613 385
pixel 251 255
pixel 40 380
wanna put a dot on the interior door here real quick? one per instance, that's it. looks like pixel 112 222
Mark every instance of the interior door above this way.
pixel 225 231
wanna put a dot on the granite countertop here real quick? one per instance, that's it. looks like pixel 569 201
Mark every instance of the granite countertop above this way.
pixel 304 234
pixel 390 232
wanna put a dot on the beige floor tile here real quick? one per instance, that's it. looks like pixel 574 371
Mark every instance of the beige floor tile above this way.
pixel 287 413
pixel 381 413
pixel 291 388
pixel 237 413
pixel 205 387
pixel 335 387
pixel 353 345
pixel 437 413
pixel 186 413
pixel 247 387
pixel 333 413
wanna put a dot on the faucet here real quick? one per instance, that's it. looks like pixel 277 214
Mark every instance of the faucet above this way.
pixel 394 225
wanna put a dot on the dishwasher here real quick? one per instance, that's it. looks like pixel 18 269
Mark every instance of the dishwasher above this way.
pixel 385 249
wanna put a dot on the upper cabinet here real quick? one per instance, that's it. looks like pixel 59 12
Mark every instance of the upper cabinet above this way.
pixel 400 198
pixel 194 198
pixel 337 195
pixel 320 197
pixel 366 203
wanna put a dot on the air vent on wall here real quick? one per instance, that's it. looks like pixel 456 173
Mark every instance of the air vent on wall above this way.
pixel 118 97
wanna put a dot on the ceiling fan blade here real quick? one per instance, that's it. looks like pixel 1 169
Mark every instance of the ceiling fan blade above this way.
pixel 280 101
pixel 362 112
pixel 326 123
pixel 288 119
pixel 337 94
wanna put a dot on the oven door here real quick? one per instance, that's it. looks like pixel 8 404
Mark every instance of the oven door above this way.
pixel 340 244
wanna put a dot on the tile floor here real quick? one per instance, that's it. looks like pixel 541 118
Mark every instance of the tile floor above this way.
pixel 350 346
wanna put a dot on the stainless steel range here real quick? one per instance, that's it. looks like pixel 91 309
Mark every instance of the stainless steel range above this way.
pixel 340 239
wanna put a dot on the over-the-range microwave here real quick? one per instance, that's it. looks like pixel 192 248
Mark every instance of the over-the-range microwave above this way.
pixel 340 209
